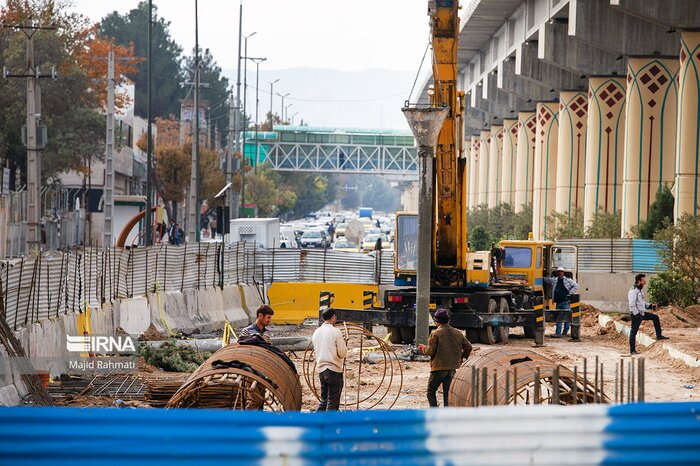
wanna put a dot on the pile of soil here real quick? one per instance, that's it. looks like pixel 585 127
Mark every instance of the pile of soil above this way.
pixel 151 334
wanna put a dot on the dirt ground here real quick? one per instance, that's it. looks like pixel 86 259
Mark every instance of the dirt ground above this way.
pixel 667 379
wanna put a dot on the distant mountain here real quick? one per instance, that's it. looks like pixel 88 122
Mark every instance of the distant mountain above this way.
pixel 370 98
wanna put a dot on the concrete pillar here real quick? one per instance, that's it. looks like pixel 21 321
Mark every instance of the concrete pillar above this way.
pixel 571 150
pixel 650 134
pixel 473 187
pixel 604 146
pixel 544 186
pixel 484 141
pixel 688 136
pixel 509 166
pixel 495 162
pixel 525 160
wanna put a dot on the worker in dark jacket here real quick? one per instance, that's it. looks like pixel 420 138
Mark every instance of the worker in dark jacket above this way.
pixel 447 346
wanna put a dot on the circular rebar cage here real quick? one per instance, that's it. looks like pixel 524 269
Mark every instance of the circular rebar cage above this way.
pixel 508 377
pixel 241 377
pixel 372 372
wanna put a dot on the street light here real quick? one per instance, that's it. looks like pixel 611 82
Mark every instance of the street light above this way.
pixel 257 62
pixel 245 128
pixel 295 114
pixel 272 83
pixel 282 107
pixel 286 111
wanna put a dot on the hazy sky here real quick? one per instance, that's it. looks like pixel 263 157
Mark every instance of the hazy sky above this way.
pixel 351 35
pixel 343 35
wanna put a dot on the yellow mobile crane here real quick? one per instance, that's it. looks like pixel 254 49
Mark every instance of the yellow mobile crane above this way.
pixel 487 292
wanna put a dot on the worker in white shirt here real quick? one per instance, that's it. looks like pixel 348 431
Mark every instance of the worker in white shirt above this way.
pixel 330 349
pixel 638 311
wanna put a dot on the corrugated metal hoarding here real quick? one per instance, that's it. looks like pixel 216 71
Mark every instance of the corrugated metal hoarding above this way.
pixel 639 434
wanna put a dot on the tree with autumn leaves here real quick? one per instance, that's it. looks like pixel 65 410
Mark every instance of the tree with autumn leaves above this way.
pixel 70 105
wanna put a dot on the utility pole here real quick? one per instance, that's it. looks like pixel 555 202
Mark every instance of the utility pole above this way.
pixel 282 106
pixel 194 210
pixel 230 150
pixel 149 146
pixel 272 83
pixel 109 155
pixel 245 101
pixel 232 197
pixel 32 73
pixel 257 62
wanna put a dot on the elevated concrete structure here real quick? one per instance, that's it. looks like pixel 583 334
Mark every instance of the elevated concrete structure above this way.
pixel 525 174
pixel 544 186
pixel 509 165
pixel 650 142
pixel 495 163
pixel 688 142
pixel 516 53
pixel 571 151
pixel 604 146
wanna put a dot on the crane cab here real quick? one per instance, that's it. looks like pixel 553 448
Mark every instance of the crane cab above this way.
pixel 529 261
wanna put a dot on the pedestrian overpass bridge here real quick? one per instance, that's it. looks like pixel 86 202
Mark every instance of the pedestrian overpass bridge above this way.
pixel 331 150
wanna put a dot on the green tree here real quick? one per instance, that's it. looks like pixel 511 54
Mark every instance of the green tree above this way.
pixel 660 214
pixel 479 239
pixel 681 251
pixel 605 225
pixel 132 27
pixel 68 104
pixel 215 93
pixel 563 225
pixel 313 191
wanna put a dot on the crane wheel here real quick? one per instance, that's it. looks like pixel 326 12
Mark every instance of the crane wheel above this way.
pixel 395 337
pixel 487 335
pixel 408 334
pixel 502 331
pixel 472 335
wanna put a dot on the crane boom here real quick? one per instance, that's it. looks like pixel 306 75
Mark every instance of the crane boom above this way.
pixel 449 218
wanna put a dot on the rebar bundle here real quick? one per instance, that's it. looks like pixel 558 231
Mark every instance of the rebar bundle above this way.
pixel 508 376
pixel 372 375
pixel 241 377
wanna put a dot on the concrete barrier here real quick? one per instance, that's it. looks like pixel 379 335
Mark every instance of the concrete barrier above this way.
pixel 133 315
pixel 9 396
pixel 251 299
pixel 646 340
pixel 606 291
pixel 232 304
pixel 205 307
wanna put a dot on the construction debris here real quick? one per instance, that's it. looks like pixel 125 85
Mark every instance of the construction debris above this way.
pixel 173 357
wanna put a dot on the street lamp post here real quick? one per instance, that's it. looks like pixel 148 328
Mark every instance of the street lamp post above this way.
pixel 257 62
pixel 245 126
pixel 272 83
pixel 295 114
pixel 282 107
pixel 286 111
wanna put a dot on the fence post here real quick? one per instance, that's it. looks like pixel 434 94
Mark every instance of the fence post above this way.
pixel 184 263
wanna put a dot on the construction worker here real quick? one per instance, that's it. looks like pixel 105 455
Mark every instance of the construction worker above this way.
pixel 263 317
pixel 447 346
pixel 562 287
pixel 638 307
pixel 330 349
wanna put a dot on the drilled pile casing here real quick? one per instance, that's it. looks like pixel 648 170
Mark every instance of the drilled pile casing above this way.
pixel 502 361
pixel 208 387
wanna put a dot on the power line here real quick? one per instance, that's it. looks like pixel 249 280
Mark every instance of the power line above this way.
pixel 373 99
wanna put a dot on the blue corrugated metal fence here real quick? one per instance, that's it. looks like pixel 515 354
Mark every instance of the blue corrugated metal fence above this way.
pixel 641 434
pixel 645 256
